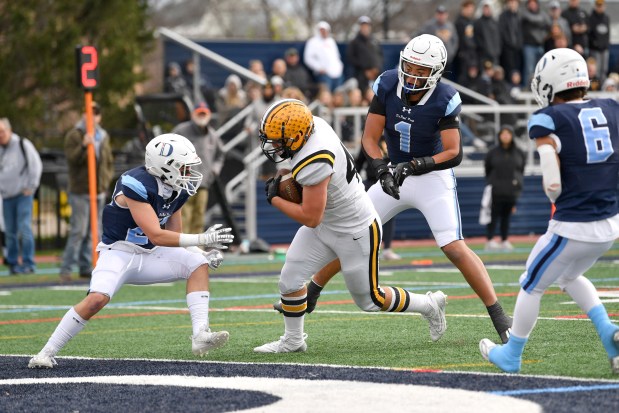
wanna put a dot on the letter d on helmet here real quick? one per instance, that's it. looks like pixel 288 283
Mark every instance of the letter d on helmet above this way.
pixel 172 158
pixel 558 70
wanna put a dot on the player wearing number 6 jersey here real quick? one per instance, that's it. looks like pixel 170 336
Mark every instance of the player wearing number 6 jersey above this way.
pixel 141 236
pixel 419 117
pixel 338 221
pixel 578 144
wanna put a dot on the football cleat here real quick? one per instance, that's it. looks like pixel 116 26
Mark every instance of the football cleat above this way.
pixel 283 345
pixel 499 356
pixel 485 345
pixel 43 360
pixel 436 318
pixel 206 340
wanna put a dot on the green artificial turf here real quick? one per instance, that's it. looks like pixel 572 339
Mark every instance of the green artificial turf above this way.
pixel 152 322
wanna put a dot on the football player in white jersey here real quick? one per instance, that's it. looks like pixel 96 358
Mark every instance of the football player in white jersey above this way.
pixel 578 144
pixel 338 221
pixel 136 249
pixel 418 116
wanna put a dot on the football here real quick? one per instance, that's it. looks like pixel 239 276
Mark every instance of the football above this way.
pixel 289 189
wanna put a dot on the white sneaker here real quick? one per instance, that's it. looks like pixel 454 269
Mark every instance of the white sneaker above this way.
pixel 485 346
pixel 390 255
pixel 283 345
pixel 43 360
pixel 436 319
pixel 507 246
pixel 206 340
pixel 492 245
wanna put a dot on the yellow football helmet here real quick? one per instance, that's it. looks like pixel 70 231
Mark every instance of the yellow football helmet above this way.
pixel 284 129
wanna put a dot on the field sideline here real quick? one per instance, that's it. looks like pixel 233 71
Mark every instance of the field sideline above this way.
pixel 148 328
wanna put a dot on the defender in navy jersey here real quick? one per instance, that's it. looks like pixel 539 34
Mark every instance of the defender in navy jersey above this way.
pixel 578 144
pixel 419 118
pixel 142 231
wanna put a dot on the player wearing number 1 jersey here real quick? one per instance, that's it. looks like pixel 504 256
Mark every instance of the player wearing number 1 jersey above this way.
pixel 578 144
pixel 419 117
pixel 338 221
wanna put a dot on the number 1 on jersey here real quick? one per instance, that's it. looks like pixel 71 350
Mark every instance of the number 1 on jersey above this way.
pixel 404 129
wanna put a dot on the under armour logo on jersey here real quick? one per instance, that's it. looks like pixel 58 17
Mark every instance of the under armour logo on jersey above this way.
pixel 166 149
pixel 406 110
pixel 166 206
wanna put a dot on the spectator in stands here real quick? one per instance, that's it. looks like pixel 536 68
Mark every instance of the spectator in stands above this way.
pixel 595 85
pixel 232 97
pixel 555 38
pixel 577 19
pixel 278 68
pixel 365 55
pixel 188 75
pixel 511 37
pixel 515 84
pixel 535 28
pixel 206 93
pixel 231 100
pixel 278 86
pixel 599 37
pixel 467 48
pixel 322 56
pixel 441 27
pixel 504 165
pixel 253 88
pixel 293 92
pixel 20 175
pixel 487 35
pixel 175 82
pixel 209 148
pixel 472 81
pixel 610 84
pixel 296 74
pixel 554 11
pixel 79 242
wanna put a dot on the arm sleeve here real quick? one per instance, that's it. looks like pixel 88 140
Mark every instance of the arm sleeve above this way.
pixel 550 172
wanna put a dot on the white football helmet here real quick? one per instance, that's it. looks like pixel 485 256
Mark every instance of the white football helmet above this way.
pixel 171 158
pixel 424 50
pixel 558 70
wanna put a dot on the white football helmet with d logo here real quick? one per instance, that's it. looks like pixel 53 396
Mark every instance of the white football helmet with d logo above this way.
pixel 171 158
pixel 424 50
pixel 558 70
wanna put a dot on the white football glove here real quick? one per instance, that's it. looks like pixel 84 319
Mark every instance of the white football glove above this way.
pixel 214 258
pixel 214 237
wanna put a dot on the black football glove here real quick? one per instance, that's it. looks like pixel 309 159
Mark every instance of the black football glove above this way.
pixel 271 188
pixel 386 179
pixel 417 166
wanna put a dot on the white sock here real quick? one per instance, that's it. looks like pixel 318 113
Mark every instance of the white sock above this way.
pixel 294 328
pixel 583 292
pixel 197 302
pixel 417 303
pixel 70 325
pixel 525 313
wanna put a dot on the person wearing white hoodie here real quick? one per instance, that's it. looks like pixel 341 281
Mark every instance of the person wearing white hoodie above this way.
pixel 322 57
